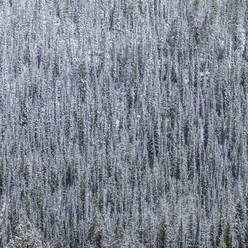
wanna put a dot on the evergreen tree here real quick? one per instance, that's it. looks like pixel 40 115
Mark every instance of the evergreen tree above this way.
pixel 26 236
pixel 238 225
pixel 96 96
pixel 162 234
pixel 179 237
pixel 226 239
pixel 212 237
pixel 95 232
pixel 219 233
pixel 190 233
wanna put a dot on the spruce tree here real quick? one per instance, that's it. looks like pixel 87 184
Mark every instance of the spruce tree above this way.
pixel 162 234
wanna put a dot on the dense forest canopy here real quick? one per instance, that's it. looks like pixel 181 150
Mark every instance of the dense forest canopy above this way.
pixel 124 123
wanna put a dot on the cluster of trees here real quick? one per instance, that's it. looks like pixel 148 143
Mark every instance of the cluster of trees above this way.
pixel 124 123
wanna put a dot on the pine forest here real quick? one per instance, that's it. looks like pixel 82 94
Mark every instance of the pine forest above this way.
pixel 123 123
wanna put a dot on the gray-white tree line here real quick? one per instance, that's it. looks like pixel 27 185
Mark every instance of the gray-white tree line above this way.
pixel 124 123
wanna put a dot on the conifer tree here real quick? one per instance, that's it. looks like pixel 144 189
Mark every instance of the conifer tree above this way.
pixel 27 236
pixel 226 239
pixel 162 234
pixel 180 235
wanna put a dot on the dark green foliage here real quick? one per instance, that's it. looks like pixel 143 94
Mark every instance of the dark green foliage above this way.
pixel 219 233
pixel 187 132
pixel 212 237
pixel 238 225
pixel 1 179
pixel 150 150
pixel 246 236
pixel 82 71
pixel 180 236
pixel 246 204
pixel 26 236
pixel 83 193
pixel 101 203
pixel 227 236
pixel 190 233
pixel 239 212
pixel 95 232
pixel 23 117
pixel 58 244
pixel 82 88
pixel 25 172
pixel 162 234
